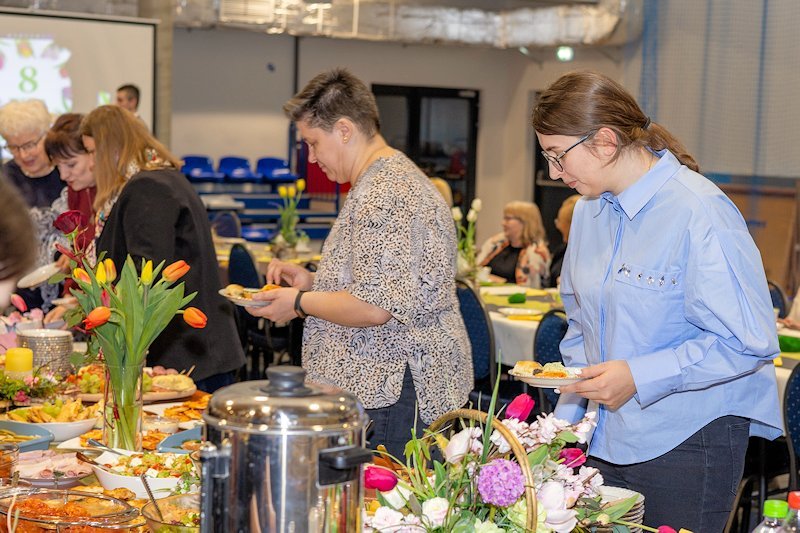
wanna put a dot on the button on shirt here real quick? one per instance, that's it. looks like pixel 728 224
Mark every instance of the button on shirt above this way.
pixel 666 276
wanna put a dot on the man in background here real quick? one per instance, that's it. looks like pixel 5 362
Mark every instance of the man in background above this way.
pixel 128 98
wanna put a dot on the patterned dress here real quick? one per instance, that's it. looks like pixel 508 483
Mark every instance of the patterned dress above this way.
pixel 393 246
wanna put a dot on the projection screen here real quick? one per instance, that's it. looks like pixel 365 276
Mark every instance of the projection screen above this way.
pixel 75 62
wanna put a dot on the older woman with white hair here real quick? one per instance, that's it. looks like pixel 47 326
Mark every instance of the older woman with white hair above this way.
pixel 23 126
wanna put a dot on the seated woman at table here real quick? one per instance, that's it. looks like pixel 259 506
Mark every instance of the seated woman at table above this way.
pixel 147 209
pixel 383 320
pixel 17 241
pixel 519 254
pixel 563 222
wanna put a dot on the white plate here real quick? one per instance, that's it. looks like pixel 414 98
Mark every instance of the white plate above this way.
pixel 504 290
pixel 545 383
pixel 243 302
pixel 159 408
pixel 613 494
pixel 38 276
pixel 518 311
pixel 73 444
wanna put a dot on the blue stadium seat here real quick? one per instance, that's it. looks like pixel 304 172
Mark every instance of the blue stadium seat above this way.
pixel 200 168
pixel 275 170
pixel 237 169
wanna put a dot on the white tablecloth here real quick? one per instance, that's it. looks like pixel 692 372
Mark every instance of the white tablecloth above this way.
pixel 513 339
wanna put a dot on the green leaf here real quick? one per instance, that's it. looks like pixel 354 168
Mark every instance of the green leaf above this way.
pixel 567 436
pixel 617 510
pixel 57 278
pixel 538 456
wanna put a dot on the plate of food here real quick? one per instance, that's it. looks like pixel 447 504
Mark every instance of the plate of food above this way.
pixel 243 296
pixel 38 276
pixel 52 469
pixel 64 420
pixel 189 413
pixel 159 384
pixel 150 440
pixel 549 376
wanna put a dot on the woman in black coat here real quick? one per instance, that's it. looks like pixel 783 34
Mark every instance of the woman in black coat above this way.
pixel 147 209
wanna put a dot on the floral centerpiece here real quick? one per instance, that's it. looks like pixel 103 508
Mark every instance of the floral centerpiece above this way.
pixel 482 485
pixel 124 318
pixel 467 255
pixel 41 384
pixel 16 321
pixel 288 235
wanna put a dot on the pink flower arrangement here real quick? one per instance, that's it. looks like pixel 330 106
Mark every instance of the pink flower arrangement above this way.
pixel 501 482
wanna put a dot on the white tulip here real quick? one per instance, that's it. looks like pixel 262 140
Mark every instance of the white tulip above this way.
pixel 472 216
pixel 457 216
pixel 476 204
pixel 398 496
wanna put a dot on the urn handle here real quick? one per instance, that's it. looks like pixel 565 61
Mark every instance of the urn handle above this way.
pixel 338 465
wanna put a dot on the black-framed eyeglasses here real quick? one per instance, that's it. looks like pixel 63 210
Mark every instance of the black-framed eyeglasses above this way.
pixel 27 147
pixel 556 160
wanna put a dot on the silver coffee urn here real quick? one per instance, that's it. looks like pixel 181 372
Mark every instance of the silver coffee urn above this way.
pixel 282 456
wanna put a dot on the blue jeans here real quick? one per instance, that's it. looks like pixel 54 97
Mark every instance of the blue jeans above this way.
pixel 392 426
pixel 694 485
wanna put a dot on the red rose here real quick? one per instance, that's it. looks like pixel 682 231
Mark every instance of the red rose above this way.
pixel 69 221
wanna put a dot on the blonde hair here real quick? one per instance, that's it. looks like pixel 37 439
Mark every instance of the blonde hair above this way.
pixel 444 189
pixel 568 206
pixel 19 117
pixel 121 140
pixel 530 216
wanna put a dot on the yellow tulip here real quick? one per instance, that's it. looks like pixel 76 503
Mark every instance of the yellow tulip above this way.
pixel 301 185
pixel 100 274
pixel 292 191
pixel 111 269
pixel 283 192
pixel 147 273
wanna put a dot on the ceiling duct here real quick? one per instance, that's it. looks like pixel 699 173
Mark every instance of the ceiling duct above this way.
pixel 442 22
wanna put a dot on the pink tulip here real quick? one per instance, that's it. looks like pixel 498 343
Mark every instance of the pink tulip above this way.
pixel 19 303
pixel 573 457
pixel 666 529
pixel 379 478
pixel 521 407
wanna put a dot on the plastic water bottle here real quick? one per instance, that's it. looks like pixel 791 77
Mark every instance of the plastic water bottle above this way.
pixel 792 520
pixel 774 513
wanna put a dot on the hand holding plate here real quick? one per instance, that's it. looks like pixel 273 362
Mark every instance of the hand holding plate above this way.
pixel 610 383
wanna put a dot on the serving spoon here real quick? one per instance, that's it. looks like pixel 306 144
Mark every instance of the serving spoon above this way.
pixel 150 495
pixel 83 458
pixel 97 444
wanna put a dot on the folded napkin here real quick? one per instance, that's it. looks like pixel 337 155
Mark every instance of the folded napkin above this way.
pixel 529 318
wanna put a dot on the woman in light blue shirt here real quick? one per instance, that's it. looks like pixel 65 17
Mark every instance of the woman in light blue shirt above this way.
pixel 667 303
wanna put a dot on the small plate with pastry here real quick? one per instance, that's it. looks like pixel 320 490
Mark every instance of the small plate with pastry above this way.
pixel 243 296
pixel 549 376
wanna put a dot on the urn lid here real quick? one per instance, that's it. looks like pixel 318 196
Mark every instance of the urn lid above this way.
pixel 284 403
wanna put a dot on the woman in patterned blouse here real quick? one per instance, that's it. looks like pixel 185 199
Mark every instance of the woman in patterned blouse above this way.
pixel 383 319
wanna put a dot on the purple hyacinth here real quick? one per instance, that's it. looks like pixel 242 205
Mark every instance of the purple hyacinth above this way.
pixel 501 482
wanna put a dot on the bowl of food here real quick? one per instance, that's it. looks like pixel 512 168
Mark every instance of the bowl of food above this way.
pixel 65 420
pixel 179 514
pixel 27 436
pixel 164 471
pixel 163 424
pixel 183 442
pixel 43 509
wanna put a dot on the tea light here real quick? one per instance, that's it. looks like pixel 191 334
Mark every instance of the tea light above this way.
pixel 19 362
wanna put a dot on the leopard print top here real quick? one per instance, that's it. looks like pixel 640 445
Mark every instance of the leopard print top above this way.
pixel 393 246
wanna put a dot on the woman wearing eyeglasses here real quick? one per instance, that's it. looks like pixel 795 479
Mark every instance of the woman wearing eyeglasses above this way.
pixel 668 307
pixel 519 253
pixel 23 126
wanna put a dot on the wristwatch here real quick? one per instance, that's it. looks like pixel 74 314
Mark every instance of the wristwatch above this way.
pixel 297 307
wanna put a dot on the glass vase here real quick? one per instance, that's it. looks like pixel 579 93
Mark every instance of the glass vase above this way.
pixel 124 404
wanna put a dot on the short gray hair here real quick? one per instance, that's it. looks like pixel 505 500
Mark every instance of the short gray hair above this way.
pixel 332 95
pixel 19 117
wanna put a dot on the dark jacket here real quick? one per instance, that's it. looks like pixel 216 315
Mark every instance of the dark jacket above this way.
pixel 159 216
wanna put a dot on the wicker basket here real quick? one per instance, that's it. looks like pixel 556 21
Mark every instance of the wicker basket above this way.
pixel 516 449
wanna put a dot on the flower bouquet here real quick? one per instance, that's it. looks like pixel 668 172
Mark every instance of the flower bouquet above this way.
pixel 496 476
pixel 124 318
pixel 467 255
pixel 288 235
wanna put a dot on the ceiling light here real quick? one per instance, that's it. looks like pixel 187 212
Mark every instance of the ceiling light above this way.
pixel 565 53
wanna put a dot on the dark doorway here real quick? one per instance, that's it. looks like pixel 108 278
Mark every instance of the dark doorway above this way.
pixel 437 128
